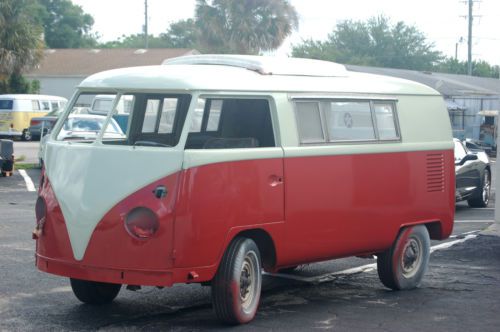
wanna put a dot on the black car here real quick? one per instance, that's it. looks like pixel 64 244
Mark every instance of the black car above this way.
pixel 473 177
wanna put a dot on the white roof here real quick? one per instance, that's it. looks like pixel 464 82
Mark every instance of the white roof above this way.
pixel 28 96
pixel 248 73
pixel 265 65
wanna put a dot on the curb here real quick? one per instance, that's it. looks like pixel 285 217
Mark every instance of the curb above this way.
pixel 493 230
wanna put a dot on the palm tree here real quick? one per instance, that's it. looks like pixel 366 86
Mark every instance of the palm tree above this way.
pixel 21 38
pixel 244 26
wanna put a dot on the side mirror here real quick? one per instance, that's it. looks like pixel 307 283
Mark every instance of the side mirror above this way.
pixel 468 157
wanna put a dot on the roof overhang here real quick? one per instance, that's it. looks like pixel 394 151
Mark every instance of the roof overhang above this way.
pixel 489 112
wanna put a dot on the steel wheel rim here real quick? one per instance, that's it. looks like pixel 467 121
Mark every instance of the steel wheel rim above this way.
pixel 486 188
pixel 248 280
pixel 411 259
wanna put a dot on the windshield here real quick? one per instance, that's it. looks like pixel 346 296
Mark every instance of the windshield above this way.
pixel 141 119
pixel 6 104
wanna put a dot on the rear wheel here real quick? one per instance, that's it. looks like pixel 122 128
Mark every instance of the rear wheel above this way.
pixel 404 264
pixel 93 292
pixel 236 286
pixel 482 197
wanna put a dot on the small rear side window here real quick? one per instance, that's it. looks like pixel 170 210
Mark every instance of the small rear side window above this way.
pixel 6 104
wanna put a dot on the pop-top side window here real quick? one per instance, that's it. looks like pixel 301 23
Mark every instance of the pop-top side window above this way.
pixel 231 123
pixel 337 121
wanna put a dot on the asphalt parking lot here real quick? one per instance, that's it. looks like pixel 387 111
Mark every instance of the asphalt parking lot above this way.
pixel 460 290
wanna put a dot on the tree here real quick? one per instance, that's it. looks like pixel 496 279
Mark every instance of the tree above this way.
pixel 21 44
pixel 247 27
pixel 479 68
pixel 66 25
pixel 181 34
pixel 375 42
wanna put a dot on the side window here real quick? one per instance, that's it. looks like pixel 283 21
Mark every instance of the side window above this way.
pixel 322 121
pixel 55 106
pixel 197 118
pixel 231 123
pixel 386 121
pixel 45 105
pixel 309 122
pixel 167 116
pixel 152 113
pixel 214 115
pixel 35 105
pixel 349 121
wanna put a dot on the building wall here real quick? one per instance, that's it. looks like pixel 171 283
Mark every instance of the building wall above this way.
pixel 472 121
pixel 58 86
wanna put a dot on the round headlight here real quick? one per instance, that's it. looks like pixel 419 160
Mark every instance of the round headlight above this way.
pixel 141 223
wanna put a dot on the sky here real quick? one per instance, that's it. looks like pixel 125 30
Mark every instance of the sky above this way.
pixel 442 21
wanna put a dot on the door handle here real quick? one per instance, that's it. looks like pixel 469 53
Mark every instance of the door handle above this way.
pixel 160 192
pixel 275 180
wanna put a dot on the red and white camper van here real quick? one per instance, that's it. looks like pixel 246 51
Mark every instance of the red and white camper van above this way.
pixel 234 164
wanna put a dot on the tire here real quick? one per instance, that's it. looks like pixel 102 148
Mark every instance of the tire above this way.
pixel 237 284
pixel 482 197
pixel 26 136
pixel 404 264
pixel 93 292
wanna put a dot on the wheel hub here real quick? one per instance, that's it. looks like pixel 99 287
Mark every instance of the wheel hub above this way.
pixel 247 282
pixel 411 258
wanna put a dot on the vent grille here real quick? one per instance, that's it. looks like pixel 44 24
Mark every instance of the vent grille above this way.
pixel 435 172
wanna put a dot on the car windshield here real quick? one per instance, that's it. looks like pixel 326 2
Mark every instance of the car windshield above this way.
pixel 83 124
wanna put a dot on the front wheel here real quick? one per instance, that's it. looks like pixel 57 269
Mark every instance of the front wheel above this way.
pixel 237 284
pixel 93 292
pixel 404 264
pixel 26 136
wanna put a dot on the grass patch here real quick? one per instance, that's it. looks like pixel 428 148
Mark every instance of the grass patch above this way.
pixel 26 166
pixel 20 158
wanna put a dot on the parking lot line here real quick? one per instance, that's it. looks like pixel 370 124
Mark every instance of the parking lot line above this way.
pixel 474 220
pixel 29 183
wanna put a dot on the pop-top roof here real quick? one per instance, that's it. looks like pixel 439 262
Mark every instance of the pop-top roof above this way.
pixel 266 65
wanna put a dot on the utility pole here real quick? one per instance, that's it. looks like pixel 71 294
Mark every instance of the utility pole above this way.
pixel 146 36
pixel 469 41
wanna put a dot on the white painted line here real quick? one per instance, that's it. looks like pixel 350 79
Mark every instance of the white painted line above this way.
pixel 474 221
pixel 449 244
pixel 29 184
pixel 466 233
pixel 364 268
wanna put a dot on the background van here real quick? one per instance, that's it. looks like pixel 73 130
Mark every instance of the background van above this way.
pixel 17 110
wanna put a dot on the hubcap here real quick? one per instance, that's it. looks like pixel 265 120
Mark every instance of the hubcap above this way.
pixel 411 258
pixel 486 188
pixel 247 281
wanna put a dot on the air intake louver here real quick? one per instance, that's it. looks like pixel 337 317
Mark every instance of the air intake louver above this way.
pixel 435 172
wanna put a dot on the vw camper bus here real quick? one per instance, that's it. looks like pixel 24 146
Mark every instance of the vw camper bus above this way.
pixel 230 165
pixel 17 110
